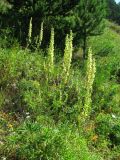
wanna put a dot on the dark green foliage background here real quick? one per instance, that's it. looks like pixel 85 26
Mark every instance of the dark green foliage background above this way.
pixel 84 17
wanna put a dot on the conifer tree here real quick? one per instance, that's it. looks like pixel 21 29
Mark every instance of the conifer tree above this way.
pixel 89 20
pixel 83 17
pixel 113 11
pixel 4 6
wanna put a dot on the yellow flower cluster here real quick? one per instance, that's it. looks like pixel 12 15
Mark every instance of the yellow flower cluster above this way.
pixel 10 126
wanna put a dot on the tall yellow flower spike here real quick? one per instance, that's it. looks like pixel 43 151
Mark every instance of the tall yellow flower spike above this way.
pixel 51 51
pixel 91 69
pixel 30 31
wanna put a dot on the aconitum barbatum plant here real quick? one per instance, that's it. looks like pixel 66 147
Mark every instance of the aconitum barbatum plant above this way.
pixel 67 55
pixel 90 76
pixel 40 37
pixel 30 31
pixel 51 51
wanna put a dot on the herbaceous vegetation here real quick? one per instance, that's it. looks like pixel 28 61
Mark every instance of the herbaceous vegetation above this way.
pixel 59 80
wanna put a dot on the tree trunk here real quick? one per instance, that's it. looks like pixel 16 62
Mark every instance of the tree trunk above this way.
pixel 84 46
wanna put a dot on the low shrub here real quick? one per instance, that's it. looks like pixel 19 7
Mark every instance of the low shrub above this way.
pixel 32 141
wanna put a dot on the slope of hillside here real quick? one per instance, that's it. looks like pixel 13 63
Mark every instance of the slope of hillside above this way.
pixel 41 114
pixel 106 97
pixel 106 48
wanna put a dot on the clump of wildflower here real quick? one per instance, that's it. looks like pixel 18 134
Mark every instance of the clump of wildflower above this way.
pixel 94 138
pixel 10 126
pixel 27 115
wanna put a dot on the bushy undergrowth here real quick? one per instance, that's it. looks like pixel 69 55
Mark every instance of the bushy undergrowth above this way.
pixel 33 140
pixel 28 86
pixel 31 89
pixel 58 112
